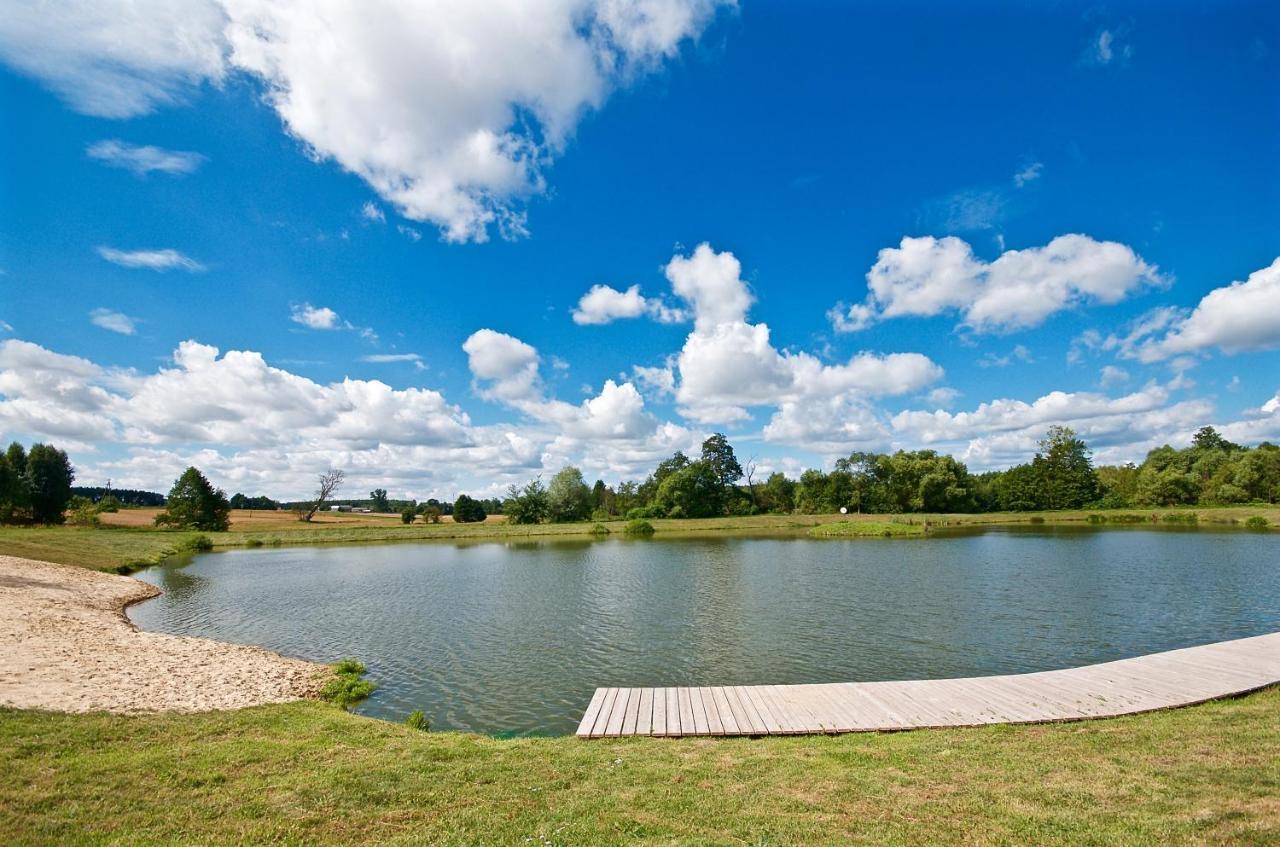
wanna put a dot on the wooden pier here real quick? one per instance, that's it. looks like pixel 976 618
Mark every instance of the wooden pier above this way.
pixel 1124 687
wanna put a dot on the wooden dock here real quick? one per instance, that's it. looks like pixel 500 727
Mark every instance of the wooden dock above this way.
pixel 1158 681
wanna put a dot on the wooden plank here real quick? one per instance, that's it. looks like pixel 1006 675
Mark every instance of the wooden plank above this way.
pixel 606 709
pixel 700 724
pixel 632 712
pixel 1125 686
pixel 614 725
pixel 644 721
pixel 589 716
pixel 715 723
pixel 673 711
pixel 659 712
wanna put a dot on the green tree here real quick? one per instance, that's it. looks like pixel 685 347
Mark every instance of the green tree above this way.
pixel 568 497
pixel 15 499
pixel 694 491
pixel 527 505
pixel 468 510
pixel 380 501
pixel 48 483
pixel 407 514
pixel 1018 489
pixel 779 494
pixel 193 503
pixel 718 456
pixel 1065 470
pixel 1207 438
pixel 1118 485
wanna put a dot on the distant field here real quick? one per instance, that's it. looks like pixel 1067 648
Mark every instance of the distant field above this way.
pixel 249 520
pixel 130 541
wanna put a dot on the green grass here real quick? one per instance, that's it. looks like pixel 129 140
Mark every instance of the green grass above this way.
pixel 868 529
pixel 308 773
pixel 122 549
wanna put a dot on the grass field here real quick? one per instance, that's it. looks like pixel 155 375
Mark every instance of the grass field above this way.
pixel 129 542
pixel 308 773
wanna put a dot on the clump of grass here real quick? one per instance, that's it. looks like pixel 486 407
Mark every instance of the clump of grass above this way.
pixel 1036 519
pixel 196 544
pixel 599 529
pixel 348 687
pixel 417 720
pixel 638 527
pixel 867 529
pixel 253 542
pixel 1181 517
pixel 1256 522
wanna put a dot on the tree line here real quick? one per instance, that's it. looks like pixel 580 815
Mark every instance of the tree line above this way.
pixel 35 487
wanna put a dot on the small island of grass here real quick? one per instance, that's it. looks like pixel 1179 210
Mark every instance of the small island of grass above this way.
pixel 868 529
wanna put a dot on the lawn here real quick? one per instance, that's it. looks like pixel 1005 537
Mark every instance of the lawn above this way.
pixel 128 542
pixel 309 773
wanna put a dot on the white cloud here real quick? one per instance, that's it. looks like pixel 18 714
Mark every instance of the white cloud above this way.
pixel 409 232
pixel 451 111
pixel 928 276
pixel 155 260
pixel 144 159
pixel 604 304
pixel 728 365
pixel 316 317
pixel 1107 47
pixel 1028 174
pixel 943 397
pixel 370 212
pixel 1112 375
pixel 505 363
pixel 113 321
pixel 392 358
pixel 116 58
pixel 1239 317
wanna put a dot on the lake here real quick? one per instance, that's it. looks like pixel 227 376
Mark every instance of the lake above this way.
pixel 512 638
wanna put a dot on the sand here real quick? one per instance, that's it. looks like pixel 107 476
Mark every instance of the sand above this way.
pixel 66 645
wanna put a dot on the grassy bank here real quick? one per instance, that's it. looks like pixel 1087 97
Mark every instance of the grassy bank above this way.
pixel 128 547
pixel 868 529
pixel 309 773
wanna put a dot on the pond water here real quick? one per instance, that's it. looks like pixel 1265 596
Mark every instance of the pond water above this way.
pixel 512 638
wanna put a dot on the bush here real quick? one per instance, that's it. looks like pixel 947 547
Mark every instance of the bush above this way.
pixel 644 512
pixel 81 512
pixel 417 720
pixel 1256 522
pixel 407 516
pixel 638 527
pixel 196 544
pixel 599 529
pixel 1037 519
pixel 1181 517
pixel 253 542
pixel 347 688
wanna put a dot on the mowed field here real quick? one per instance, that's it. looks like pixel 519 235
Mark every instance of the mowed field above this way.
pixel 249 520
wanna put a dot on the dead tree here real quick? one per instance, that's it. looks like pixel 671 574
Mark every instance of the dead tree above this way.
pixel 328 483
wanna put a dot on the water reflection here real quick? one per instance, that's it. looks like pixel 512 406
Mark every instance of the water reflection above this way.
pixel 514 636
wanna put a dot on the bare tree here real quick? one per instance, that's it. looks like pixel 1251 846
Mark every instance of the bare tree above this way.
pixel 328 483
pixel 750 472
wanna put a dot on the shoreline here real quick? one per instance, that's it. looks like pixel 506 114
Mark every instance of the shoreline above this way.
pixel 70 647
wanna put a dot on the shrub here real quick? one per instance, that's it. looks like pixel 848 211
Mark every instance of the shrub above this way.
pixel 1256 522
pixel 599 529
pixel 1037 519
pixel 253 542
pixel 196 544
pixel 1181 517
pixel 347 688
pixel 407 516
pixel 417 720
pixel 82 513
pixel 638 527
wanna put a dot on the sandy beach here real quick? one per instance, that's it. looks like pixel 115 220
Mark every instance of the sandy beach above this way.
pixel 66 645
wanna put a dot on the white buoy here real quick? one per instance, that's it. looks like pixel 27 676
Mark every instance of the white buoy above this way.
pixel 844 510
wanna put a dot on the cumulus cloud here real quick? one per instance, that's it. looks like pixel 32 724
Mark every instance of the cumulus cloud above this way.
pixel 114 321
pixel 316 317
pixel 924 277
pixel 154 260
pixel 144 159
pixel 451 111
pixel 1236 318
pixel 604 304
pixel 728 365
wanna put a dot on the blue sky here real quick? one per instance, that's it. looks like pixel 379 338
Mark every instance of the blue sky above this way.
pixel 340 207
